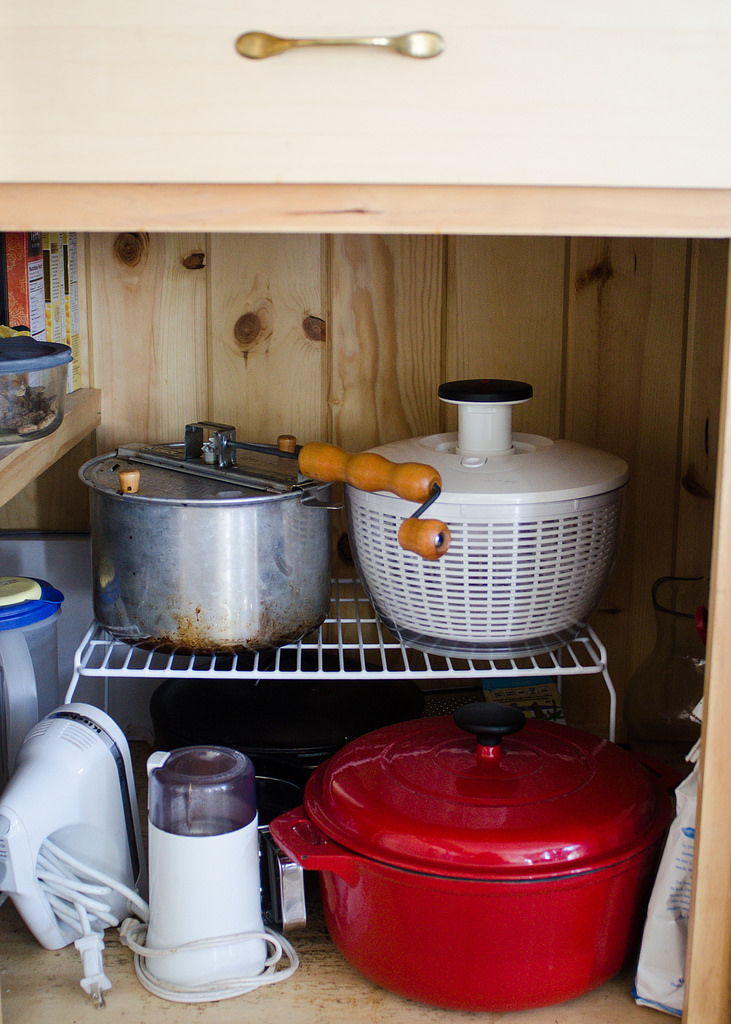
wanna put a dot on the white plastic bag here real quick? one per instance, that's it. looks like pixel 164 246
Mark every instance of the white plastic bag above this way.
pixel 660 977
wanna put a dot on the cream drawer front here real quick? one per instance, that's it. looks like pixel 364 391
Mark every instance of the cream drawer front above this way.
pixel 536 92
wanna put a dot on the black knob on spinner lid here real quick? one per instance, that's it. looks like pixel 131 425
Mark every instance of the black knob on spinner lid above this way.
pixel 490 389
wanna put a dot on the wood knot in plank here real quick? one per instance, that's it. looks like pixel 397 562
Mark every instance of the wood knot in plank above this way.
pixel 344 550
pixel 131 247
pixel 314 328
pixel 195 260
pixel 249 329
pixel 599 273
pixel 694 487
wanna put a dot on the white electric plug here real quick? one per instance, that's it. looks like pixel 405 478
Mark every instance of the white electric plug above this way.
pixel 95 982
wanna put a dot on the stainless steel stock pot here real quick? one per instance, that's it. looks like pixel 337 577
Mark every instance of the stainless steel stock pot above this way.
pixel 215 545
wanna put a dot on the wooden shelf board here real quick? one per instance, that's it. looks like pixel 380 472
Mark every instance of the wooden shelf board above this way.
pixel 22 463
pixel 368 209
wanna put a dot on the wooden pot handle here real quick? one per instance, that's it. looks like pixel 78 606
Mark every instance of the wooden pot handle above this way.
pixel 427 537
pixel 412 481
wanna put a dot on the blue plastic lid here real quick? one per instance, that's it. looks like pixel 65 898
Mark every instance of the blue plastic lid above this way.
pixel 24 600
pixel 20 354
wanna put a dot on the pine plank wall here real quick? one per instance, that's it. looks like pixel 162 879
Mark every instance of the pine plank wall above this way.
pixel 346 338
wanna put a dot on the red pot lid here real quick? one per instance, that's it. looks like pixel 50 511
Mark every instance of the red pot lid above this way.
pixel 428 796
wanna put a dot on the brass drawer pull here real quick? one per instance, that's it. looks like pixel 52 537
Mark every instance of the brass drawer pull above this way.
pixel 258 45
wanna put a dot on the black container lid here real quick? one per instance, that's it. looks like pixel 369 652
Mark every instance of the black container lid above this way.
pixel 20 354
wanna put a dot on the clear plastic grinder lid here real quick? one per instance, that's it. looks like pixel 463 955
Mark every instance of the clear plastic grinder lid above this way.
pixel 202 791
pixel 423 796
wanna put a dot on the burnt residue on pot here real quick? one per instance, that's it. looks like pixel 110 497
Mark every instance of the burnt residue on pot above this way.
pixel 191 638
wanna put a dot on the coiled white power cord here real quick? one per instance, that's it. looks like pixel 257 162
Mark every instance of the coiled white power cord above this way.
pixel 132 930
pixel 78 895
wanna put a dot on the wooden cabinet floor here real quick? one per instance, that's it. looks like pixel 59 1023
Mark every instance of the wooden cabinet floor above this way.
pixel 43 986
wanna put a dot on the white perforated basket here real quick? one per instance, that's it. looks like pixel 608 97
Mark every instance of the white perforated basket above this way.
pixel 513 580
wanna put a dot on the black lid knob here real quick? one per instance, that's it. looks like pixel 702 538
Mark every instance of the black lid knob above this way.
pixel 488 390
pixel 489 721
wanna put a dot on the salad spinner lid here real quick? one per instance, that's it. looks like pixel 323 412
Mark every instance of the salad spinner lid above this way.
pixel 484 459
pixel 514 799
pixel 536 470
pixel 24 600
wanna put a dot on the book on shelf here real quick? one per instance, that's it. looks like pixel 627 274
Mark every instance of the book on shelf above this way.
pixel 23 299
pixel 4 312
pixel 53 287
pixel 71 305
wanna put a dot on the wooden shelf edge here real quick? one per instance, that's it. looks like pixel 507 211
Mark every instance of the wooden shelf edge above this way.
pixel 368 209
pixel 21 464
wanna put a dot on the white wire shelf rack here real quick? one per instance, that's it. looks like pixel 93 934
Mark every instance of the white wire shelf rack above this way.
pixel 352 643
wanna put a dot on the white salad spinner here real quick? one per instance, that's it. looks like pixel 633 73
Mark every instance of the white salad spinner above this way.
pixel 534 530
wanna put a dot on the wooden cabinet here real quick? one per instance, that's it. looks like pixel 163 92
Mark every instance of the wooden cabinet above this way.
pixel 338 230
pixel 346 336
pixel 562 93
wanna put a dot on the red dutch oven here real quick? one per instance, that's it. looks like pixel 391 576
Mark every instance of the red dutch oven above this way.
pixel 483 862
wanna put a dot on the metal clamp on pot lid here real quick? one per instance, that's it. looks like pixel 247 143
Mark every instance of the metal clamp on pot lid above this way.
pixel 211 450
pixel 552 801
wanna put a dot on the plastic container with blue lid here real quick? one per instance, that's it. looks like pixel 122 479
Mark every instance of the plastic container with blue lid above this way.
pixel 33 385
pixel 24 600
pixel 29 685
